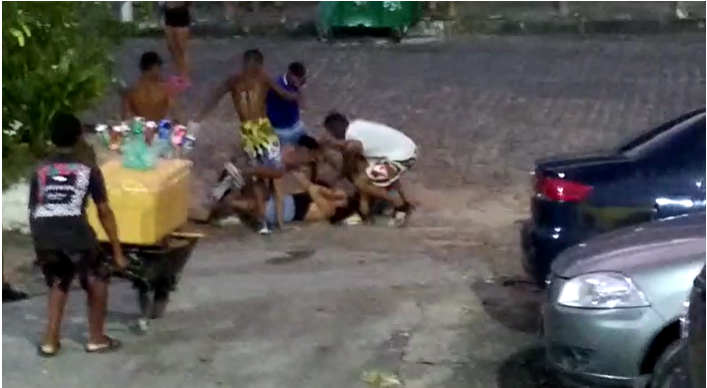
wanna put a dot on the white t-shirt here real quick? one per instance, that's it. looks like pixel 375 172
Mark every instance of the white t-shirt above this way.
pixel 381 141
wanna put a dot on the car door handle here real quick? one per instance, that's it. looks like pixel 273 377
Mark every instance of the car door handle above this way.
pixel 673 206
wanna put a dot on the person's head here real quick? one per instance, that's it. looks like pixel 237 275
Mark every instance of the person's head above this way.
pixel 296 74
pixel 335 124
pixel 307 148
pixel 151 64
pixel 252 60
pixel 352 206
pixel 66 130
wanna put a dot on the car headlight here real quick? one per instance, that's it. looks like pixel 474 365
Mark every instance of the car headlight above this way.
pixel 601 290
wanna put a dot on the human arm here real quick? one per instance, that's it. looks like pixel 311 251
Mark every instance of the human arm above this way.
pixel 282 92
pixel 215 97
pixel 364 185
pixel 98 192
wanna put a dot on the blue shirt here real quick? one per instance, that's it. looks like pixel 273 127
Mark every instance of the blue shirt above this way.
pixel 282 113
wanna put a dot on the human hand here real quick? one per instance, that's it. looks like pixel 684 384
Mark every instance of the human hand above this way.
pixel 119 259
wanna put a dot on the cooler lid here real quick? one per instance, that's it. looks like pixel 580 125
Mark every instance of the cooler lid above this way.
pixel 165 172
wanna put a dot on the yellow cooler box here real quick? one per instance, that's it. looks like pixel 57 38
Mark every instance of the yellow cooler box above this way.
pixel 148 205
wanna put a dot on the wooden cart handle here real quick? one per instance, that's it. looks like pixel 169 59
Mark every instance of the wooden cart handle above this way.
pixel 188 234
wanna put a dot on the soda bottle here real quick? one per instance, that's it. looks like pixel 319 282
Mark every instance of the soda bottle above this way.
pixel 164 129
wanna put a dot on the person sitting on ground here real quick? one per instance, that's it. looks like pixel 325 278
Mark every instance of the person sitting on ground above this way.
pixel 150 98
pixel 284 114
pixel 64 241
pixel 260 145
pixel 375 158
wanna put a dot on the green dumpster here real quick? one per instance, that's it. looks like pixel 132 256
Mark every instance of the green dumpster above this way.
pixel 396 16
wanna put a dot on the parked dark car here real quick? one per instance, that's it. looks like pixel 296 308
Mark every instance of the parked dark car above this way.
pixel 659 174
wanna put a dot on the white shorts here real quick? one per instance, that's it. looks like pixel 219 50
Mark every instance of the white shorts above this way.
pixel 384 172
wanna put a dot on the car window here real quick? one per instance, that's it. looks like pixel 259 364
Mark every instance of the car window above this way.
pixel 685 140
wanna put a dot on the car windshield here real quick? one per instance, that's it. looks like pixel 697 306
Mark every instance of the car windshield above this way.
pixel 662 139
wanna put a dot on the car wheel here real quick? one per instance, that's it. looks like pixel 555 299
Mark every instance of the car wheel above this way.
pixel 669 371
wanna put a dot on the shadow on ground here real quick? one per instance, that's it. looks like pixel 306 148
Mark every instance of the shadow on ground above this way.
pixel 525 369
pixel 514 303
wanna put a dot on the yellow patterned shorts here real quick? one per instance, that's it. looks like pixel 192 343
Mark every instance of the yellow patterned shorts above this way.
pixel 260 143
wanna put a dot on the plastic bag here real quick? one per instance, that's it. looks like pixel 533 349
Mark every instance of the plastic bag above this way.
pixel 137 155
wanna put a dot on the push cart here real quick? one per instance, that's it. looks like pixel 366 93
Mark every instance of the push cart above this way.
pixel 155 271
pixel 151 212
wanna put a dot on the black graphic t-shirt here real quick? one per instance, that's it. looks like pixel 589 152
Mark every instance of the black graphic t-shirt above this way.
pixel 59 188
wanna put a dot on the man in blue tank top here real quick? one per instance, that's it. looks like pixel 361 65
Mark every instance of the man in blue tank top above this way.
pixel 284 115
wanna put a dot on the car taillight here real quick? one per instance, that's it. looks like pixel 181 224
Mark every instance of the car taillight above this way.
pixel 556 189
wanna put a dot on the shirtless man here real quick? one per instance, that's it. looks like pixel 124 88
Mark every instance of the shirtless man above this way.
pixel 150 97
pixel 375 158
pixel 259 142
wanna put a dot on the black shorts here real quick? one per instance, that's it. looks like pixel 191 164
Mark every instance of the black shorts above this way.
pixel 61 266
pixel 302 202
pixel 177 17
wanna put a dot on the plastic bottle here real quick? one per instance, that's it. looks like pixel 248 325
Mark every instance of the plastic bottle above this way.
pixel 150 131
pixel 137 125
pixel 164 129
pixel 103 134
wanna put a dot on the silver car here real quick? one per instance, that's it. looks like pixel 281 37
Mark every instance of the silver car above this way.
pixel 614 303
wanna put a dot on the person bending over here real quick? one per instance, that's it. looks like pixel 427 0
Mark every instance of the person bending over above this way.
pixel 64 242
pixel 375 156
pixel 259 142
pixel 149 97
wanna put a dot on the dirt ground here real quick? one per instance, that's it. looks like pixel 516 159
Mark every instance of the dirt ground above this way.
pixel 482 110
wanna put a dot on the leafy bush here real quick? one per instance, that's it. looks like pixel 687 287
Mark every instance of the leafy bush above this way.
pixel 56 57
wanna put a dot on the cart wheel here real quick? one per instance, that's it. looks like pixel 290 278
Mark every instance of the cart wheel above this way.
pixel 159 304
pixel 144 300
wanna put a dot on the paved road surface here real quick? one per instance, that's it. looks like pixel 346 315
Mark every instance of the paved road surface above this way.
pixel 424 302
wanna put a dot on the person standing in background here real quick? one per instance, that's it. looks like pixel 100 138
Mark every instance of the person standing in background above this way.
pixel 177 20
pixel 284 114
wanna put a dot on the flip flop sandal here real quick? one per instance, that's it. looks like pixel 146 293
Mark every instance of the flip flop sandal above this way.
pixel 47 350
pixel 109 346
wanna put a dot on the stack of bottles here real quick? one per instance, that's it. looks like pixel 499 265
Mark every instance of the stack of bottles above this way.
pixel 142 142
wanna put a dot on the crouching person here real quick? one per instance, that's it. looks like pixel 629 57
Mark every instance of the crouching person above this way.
pixel 375 157
pixel 65 243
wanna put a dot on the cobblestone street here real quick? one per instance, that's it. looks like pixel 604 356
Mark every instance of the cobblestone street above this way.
pixel 424 302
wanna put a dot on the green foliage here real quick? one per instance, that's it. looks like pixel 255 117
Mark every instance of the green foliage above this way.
pixel 56 57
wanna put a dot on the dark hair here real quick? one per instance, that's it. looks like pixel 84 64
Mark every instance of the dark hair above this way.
pixel 341 213
pixel 336 124
pixel 308 142
pixel 150 59
pixel 253 55
pixel 297 69
pixel 66 130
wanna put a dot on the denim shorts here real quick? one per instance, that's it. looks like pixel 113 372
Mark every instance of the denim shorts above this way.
pixel 288 210
pixel 290 136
